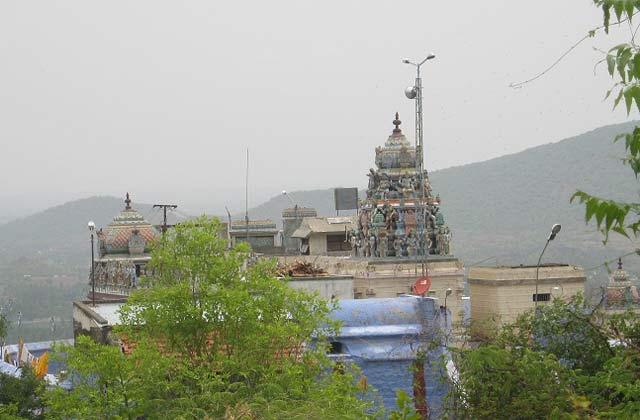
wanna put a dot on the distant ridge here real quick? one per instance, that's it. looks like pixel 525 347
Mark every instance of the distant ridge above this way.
pixel 499 208
pixel 60 234
pixel 504 207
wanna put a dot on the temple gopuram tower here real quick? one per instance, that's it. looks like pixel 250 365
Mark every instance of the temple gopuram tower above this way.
pixel 400 218
pixel 124 249
pixel 399 235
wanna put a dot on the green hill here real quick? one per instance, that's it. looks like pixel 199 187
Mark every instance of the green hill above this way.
pixel 59 234
pixel 504 207
pixel 500 210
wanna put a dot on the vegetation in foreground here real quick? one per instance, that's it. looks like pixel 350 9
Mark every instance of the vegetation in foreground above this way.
pixel 563 361
pixel 212 338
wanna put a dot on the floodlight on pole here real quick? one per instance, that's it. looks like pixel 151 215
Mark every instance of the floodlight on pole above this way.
pixel 415 92
pixel 555 229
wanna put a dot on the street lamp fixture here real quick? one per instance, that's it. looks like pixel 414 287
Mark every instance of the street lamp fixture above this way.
pixel 92 230
pixel 555 229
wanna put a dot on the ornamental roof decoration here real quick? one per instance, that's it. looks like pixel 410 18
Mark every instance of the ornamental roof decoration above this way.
pixel 620 293
pixel 400 216
pixel 128 233
pixel 619 276
pixel 397 139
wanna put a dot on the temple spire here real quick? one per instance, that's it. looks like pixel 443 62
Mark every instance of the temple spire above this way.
pixel 127 201
pixel 397 123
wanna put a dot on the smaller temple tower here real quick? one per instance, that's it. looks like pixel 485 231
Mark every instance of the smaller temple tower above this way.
pixel 621 295
pixel 123 252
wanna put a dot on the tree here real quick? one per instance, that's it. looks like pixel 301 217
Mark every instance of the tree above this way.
pixel 21 397
pixel 109 384
pixel 623 64
pixel 213 336
pixel 4 327
pixel 563 361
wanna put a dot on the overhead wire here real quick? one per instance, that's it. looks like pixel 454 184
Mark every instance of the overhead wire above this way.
pixel 589 34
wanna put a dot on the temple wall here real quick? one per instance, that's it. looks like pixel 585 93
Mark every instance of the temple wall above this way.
pixel 338 287
pixel 380 278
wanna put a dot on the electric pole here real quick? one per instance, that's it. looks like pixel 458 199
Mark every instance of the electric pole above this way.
pixel 164 208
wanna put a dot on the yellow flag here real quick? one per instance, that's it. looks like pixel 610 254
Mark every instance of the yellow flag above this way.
pixel 42 366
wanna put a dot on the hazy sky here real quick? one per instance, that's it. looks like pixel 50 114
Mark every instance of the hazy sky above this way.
pixel 162 98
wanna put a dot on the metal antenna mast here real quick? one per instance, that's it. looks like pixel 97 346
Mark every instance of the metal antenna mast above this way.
pixel 415 92
pixel 164 208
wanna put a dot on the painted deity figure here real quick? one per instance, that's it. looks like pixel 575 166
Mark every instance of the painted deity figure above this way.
pixel 373 252
pixel 431 244
pixel 412 244
pixel 447 241
pixel 378 219
pixel 363 221
pixel 359 250
pixel 367 248
pixel 383 246
pixel 353 242
pixel 440 242
pixel 392 219
pixel 439 218
pixel 397 246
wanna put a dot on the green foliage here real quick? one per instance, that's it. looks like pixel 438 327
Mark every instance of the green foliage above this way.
pixel 622 9
pixel 4 326
pixel 623 64
pixel 110 384
pixel 561 362
pixel 213 337
pixel 498 383
pixel 21 397
pixel 10 412
pixel 405 409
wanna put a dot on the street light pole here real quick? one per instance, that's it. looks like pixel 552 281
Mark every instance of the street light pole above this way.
pixel 92 229
pixel 447 293
pixel 415 92
pixel 554 231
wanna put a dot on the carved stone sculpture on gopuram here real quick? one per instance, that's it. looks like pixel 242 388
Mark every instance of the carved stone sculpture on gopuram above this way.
pixel 400 217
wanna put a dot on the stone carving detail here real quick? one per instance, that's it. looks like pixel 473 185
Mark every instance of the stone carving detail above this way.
pixel 400 216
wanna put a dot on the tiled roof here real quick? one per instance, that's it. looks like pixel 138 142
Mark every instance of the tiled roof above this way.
pixel 115 237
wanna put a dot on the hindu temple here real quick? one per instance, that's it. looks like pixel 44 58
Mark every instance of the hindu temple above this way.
pixel 400 216
pixel 621 294
pixel 398 236
pixel 123 252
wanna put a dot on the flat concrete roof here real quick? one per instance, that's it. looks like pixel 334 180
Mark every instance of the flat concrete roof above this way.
pixel 103 312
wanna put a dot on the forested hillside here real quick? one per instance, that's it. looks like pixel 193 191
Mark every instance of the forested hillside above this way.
pixel 499 210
